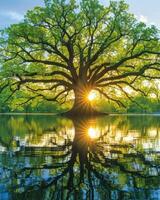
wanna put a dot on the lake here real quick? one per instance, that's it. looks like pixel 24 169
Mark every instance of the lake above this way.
pixel 48 157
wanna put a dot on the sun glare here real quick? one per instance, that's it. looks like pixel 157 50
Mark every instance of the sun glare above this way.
pixel 93 134
pixel 91 96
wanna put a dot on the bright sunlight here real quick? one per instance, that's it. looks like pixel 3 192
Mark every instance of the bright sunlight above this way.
pixel 91 96
pixel 93 134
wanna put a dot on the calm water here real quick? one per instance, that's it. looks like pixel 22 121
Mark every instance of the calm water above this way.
pixel 46 157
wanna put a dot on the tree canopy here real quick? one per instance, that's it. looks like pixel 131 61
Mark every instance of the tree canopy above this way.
pixel 67 48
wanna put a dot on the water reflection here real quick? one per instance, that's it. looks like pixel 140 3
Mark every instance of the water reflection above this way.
pixel 45 157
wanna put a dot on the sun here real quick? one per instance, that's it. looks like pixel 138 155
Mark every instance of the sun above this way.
pixel 91 96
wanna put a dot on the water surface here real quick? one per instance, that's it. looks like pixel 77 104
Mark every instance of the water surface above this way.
pixel 48 157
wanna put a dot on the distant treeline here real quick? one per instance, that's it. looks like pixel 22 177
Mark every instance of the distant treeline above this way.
pixel 138 105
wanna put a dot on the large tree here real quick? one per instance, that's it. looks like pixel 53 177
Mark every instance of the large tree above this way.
pixel 67 48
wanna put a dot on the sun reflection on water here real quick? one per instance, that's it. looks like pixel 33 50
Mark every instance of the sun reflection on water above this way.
pixel 93 133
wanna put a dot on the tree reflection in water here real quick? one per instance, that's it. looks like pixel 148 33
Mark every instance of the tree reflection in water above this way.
pixel 93 163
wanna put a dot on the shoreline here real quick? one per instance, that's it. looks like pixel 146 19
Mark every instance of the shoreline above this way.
pixel 109 114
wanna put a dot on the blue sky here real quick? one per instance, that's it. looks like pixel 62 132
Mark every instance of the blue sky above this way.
pixel 12 11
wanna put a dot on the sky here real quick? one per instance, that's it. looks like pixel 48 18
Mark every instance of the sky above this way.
pixel 12 11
